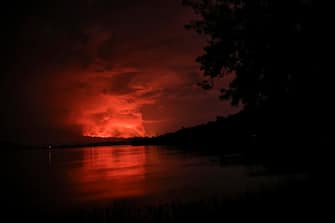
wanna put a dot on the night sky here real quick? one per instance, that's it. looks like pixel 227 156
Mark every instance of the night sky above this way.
pixel 100 68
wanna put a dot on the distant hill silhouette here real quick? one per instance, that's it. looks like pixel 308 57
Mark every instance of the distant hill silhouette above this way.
pixel 223 131
pixel 244 132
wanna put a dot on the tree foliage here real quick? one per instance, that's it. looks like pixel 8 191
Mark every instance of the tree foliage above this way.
pixel 267 44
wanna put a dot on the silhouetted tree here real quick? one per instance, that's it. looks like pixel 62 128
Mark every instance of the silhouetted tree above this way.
pixel 274 48
pixel 265 43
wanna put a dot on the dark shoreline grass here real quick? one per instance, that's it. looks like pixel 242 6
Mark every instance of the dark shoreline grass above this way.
pixel 294 199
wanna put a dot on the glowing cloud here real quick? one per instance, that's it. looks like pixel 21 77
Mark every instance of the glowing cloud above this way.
pixel 108 104
pixel 102 69
pixel 112 118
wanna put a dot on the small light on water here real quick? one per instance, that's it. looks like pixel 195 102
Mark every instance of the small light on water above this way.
pixel 49 146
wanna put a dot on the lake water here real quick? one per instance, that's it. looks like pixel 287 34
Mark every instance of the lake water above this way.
pixel 90 177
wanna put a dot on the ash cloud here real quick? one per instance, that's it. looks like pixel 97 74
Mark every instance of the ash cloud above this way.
pixel 100 68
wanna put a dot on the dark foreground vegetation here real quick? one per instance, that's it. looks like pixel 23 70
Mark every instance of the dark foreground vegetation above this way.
pixel 292 200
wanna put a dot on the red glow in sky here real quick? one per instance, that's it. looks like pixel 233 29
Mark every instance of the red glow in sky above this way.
pixel 104 69
pixel 113 118
pixel 115 128
pixel 114 102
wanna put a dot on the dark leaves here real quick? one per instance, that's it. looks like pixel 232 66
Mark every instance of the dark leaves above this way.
pixel 258 40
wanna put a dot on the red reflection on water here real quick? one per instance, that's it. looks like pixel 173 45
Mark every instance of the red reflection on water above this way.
pixel 107 173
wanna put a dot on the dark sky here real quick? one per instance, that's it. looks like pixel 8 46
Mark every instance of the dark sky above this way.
pixel 74 68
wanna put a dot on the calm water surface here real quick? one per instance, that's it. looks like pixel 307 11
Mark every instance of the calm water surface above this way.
pixel 97 176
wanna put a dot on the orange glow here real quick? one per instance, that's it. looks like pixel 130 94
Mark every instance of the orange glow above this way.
pixel 111 116
pixel 100 80
pixel 101 114
pixel 106 110
pixel 129 102
pixel 112 127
